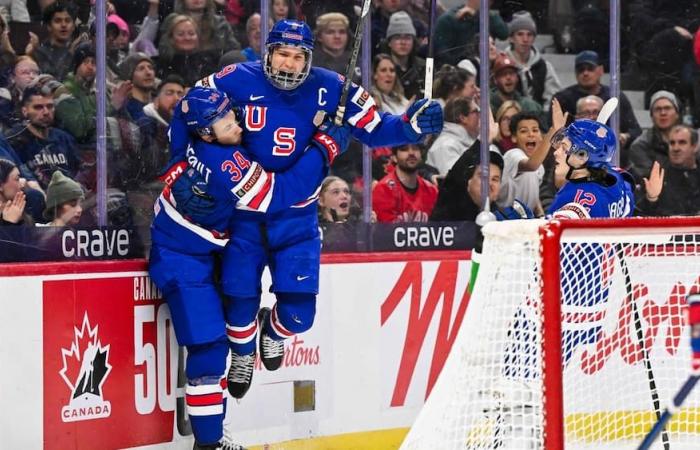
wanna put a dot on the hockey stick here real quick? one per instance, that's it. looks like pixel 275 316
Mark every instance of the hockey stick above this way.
pixel 678 400
pixel 684 391
pixel 640 338
pixel 350 69
pixel 607 110
pixel 429 66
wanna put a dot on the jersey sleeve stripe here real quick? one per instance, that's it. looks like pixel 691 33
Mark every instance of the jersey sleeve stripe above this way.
pixel 254 176
pixel 312 198
pixel 259 199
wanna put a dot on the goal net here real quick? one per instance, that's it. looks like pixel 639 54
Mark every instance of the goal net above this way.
pixel 575 336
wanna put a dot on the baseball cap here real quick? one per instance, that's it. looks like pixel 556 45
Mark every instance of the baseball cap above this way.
pixel 587 57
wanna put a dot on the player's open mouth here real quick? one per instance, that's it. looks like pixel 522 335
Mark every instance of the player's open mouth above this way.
pixel 531 145
pixel 343 205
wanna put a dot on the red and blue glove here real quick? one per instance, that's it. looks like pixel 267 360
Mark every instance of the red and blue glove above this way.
pixel 422 117
pixel 332 140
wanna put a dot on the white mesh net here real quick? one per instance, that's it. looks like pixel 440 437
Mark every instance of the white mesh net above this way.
pixel 624 343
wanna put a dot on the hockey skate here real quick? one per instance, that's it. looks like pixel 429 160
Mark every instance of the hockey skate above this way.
pixel 271 351
pixel 240 374
pixel 224 444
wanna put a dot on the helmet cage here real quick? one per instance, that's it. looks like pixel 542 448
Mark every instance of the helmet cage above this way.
pixel 292 33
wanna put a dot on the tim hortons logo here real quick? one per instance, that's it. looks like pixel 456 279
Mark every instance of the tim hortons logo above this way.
pixel 668 315
pixel 443 288
pixel 85 369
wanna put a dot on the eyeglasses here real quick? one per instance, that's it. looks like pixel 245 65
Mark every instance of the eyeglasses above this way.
pixel 658 109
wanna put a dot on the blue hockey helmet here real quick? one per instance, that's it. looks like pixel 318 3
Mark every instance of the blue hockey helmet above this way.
pixel 288 32
pixel 202 107
pixel 590 139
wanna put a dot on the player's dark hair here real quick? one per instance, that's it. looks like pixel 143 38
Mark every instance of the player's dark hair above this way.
pixel 171 79
pixel 519 117
pixel 55 8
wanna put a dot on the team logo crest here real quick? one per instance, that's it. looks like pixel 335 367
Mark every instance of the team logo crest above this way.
pixel 602 132
pixel 85 369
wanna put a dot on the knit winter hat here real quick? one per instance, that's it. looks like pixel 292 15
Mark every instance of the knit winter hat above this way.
pixel 61 190
pixel 400 23
pixel 82 52
pixel 522 21
pixel 128 66
pixel 670 96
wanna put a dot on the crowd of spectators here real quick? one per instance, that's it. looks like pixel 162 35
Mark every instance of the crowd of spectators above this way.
pixel 157 49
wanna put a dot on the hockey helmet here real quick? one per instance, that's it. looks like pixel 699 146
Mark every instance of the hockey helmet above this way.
pixel 590 139
pixel 288 32
pixel 202 107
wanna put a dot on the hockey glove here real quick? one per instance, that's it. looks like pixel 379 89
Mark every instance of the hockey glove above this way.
pixel 189 189
pixel 332 140
pixel 519 210
pixel 422 117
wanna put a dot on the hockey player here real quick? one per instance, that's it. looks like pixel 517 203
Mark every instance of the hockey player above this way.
pixel 589 185
pixel 282 93
pixel 192 215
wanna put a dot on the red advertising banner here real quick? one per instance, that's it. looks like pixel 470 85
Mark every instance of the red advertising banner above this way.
pixel 110 370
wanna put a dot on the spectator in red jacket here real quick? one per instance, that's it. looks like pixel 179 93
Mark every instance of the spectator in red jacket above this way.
pixel 403 195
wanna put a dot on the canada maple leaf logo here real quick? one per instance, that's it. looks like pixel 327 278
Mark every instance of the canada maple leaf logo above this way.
pixel 85 368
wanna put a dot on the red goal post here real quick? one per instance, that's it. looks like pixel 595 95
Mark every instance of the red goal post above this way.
pixel 527 373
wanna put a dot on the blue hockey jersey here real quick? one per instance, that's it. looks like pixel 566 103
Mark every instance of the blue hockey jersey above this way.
pixel 279 124
pixel 236 182
pixel 615 200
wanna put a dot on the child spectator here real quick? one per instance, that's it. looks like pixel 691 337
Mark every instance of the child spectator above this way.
pixel 334 201
pixel 522 166
pixel 403 195
pixel 386 88
pixel 64 198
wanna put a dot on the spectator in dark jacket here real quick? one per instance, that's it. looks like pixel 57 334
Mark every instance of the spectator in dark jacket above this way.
pixel 41 147
pixel 459 196
pixel 673 187
pixel 652 144
pixel 589 71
